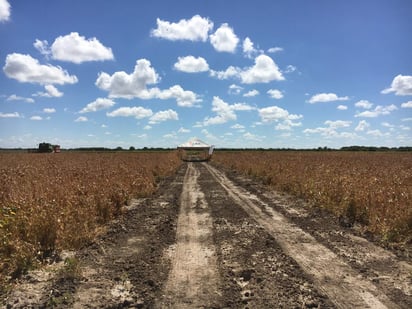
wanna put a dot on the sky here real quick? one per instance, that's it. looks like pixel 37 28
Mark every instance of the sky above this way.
pixel 262 73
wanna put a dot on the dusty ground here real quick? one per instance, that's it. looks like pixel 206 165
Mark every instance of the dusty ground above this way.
pixel 210 240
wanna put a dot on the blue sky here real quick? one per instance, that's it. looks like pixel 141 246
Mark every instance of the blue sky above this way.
pixel 263 73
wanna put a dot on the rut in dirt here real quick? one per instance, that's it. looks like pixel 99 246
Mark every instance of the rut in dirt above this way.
pixel 193 281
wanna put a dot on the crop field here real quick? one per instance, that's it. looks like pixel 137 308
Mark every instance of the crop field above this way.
pixel 374 189
pixel 50 202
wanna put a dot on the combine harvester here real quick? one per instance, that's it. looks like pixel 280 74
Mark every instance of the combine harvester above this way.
pixel 195 150
pixel 46 148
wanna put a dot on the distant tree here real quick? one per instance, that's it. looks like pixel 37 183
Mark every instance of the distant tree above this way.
pixel 119 148
pixel 131 148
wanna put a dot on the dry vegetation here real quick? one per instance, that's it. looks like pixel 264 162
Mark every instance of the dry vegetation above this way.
pixel 374 189
pixel 50 202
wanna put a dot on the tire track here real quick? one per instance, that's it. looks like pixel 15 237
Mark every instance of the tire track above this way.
pixel 343 285
pixel 193 281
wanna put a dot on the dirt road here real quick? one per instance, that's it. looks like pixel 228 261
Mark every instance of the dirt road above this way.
pixel 210 240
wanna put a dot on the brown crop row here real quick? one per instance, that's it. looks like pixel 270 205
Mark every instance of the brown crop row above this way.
pixel 50 202
pixel 374 189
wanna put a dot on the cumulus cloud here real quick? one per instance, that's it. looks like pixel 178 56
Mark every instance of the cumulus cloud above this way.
pixel 224 111
pixel 5 11
pixel 98 104
pixel 264 71
pixel 184 98
pixel 283 119
pixel 194 29
pixel 378 111
pixel 51 92
pixel 49 110
pixel 163 116
pixel 10 115
pixel 134 85
pixel 26 69
pixel 190 64
pixel 183 130
pixel 273 50
pixel 362 125
pixel 276 113
pixel 81 119
pixel 342 107
pixel 401 85
pixel 407 104
pixel 36 118
pixel 248 48
pixel 14 97
pixel 235 89
pixel 123 85
pixel 338 123
pixel 224 39
pixel 75 48
pixel 364 104
pixel 230 72
pixel 326 97
pixel 251 93
pixel 331 129
pixel 275 94
pixel 137 112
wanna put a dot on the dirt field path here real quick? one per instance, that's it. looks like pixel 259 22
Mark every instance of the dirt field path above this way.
pixel 193 281
pixel 213 240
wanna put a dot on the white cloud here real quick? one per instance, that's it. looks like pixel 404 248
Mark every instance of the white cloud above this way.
pixel 51 92
pixel 253 137
pixel 77 49
pixel 224 39
pixel 401 85
pixel 164 116
pixel 134 85
pixel 225 112
pixel 123 85
pixel 237 126
pixel 264 71
pixel 42 47
pixel 184 98
pixel 362 125
pixel 194 29
pixel 273 50
pixel 388 125
pixel 10 115
pixel 326 97
pixel 248 49
pixel 4 10
pixel 407 119
pixel 376 133
pixel 190 64
pixel 235 89
pixel 338 124
pixel 378 111
pixel 290 69
pixel 81 119
pixel 407 104
pixel 49 110
pixel 26 69
pixel 251 93
pixel 275 94
pixel 183 130
pixel 36 118
pixel 284 120
pixel 342 107
pixel 136 111
pixel 231 71
pixel 98 104
pixel 14 97
pixel 364 104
